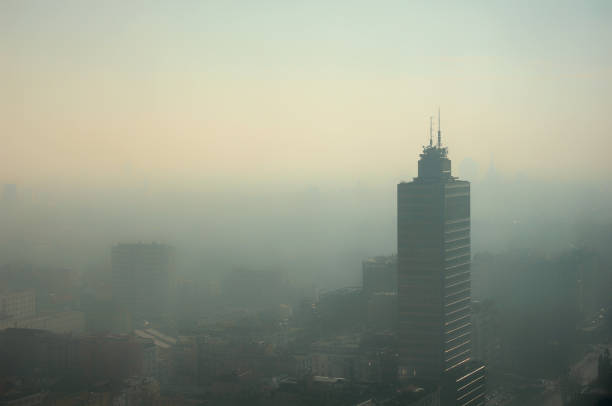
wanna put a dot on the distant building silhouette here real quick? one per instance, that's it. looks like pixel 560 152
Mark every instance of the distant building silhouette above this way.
pixel 9 193
pixel 379 274
pixel 18 310
pixel 434 309
pixel 143 279
pixel 380 291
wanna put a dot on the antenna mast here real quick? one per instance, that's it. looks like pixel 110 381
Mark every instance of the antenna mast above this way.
pixel 430 131
pixel 439 131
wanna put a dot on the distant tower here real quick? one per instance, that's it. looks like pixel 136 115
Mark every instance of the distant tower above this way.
pixel 379 274
pixel 433 243
pixel 9 193
pixel 143 279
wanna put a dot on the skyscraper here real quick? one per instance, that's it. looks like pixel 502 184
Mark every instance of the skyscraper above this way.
pixel 433 244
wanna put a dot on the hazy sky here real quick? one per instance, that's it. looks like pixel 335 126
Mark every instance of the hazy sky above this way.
pixel 91 91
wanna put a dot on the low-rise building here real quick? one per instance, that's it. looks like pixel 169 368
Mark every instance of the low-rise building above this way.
pixel 70 321
pixel 21 399
pixel 347 357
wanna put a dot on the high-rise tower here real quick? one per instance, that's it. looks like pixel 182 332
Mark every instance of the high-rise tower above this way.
pixel 433 244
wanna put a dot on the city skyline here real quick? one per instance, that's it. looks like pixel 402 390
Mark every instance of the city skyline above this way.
pixel 228 203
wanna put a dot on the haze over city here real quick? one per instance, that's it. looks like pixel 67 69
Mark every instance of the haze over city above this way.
pixel 266 143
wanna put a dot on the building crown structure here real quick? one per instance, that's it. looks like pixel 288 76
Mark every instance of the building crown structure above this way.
pixel 434 164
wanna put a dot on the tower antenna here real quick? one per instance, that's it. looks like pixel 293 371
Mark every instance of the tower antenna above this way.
pixel 430 131
pixel 439 130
